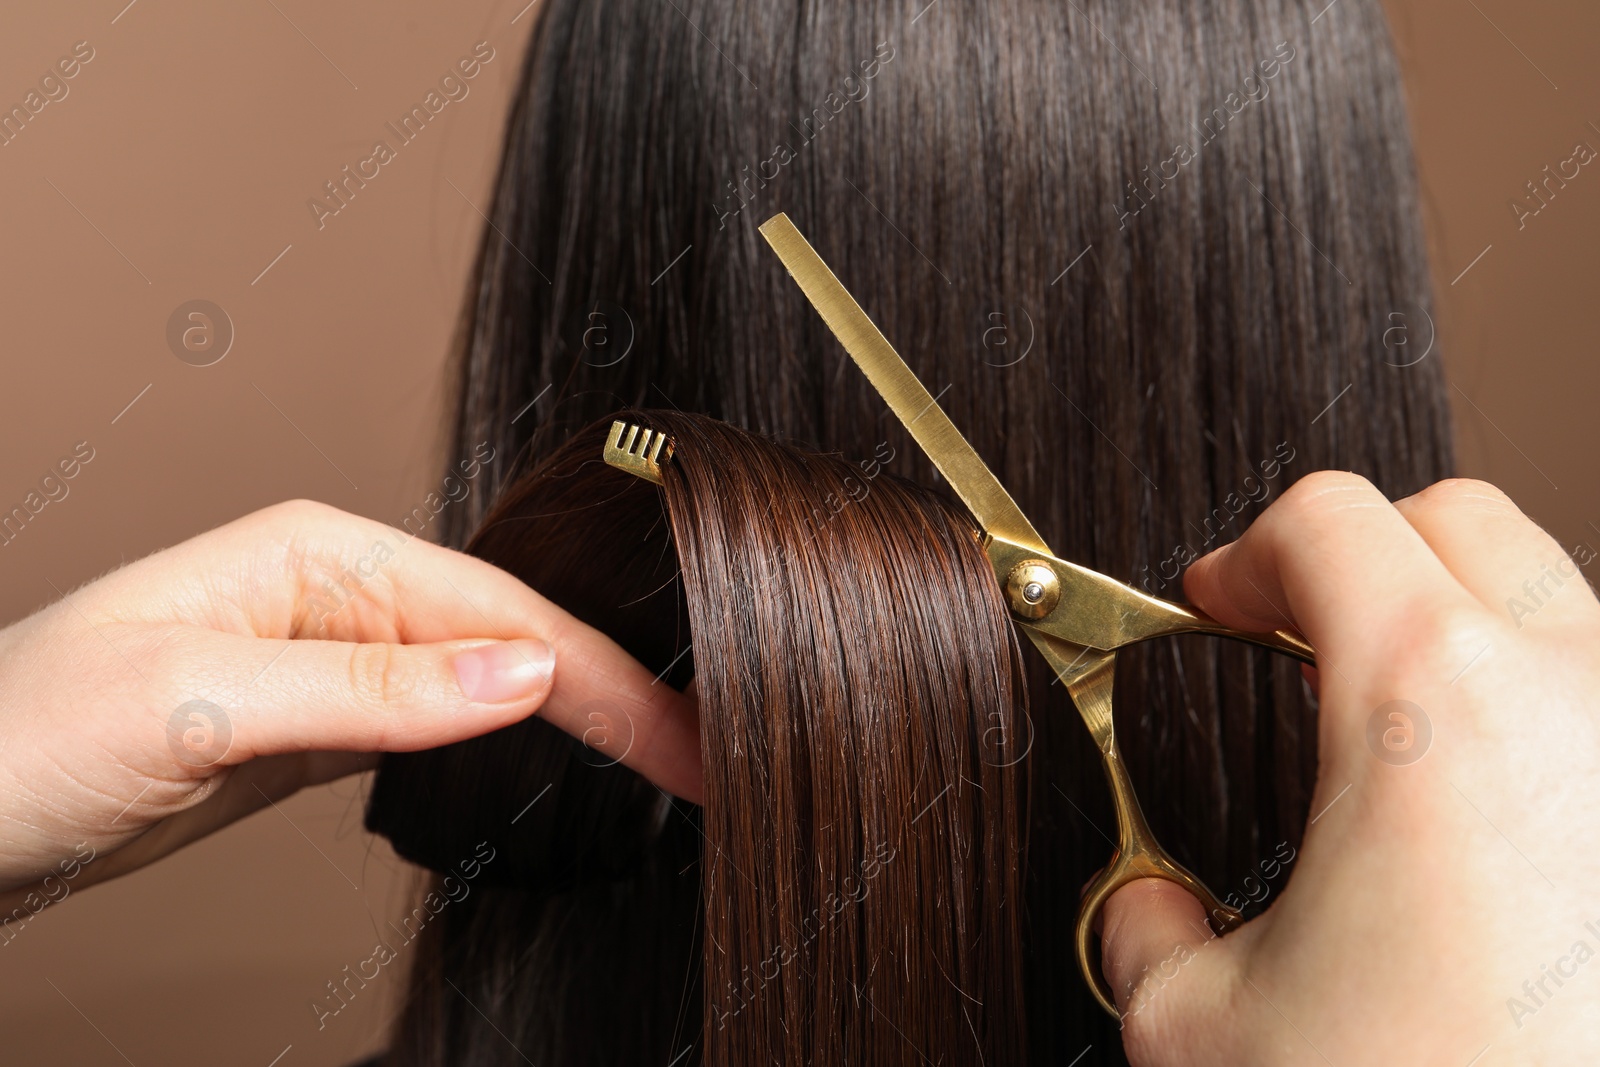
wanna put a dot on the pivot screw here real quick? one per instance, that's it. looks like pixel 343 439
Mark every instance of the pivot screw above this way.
pixel 1032 589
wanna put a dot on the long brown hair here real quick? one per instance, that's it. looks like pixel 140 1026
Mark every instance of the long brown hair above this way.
pixel 1145 252
pixel 860 857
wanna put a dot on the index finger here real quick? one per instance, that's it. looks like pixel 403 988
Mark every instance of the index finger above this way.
pixel 1332 558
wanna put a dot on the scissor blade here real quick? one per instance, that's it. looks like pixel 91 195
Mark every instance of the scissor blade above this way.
pixel 932 429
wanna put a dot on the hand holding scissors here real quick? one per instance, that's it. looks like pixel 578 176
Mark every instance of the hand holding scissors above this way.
pixel 1076 617
pixel 1441 910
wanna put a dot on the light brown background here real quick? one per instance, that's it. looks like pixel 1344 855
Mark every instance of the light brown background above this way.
pixel 179 166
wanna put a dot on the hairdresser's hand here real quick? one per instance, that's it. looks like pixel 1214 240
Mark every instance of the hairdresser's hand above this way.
pixel 187 690
pixel 1447 894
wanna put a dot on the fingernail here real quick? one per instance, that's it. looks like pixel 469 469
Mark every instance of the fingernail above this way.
pixel 504 671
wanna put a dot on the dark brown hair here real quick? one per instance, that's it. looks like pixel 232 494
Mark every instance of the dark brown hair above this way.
pixel 860 872
pixel 1189 223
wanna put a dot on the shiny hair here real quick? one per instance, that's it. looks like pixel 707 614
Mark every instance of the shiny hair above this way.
pixel 1145 253
pixel 859 844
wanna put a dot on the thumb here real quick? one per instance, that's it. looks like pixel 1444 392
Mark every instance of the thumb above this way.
pixel 354 696
pixel 359 696
pixel 1152 930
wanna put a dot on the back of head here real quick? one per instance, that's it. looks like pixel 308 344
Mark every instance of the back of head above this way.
pixel 1145 253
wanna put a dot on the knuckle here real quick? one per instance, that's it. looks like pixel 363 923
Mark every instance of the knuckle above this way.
pixel 1458 492
pixel 378 677
pixel 162 652
pixel 1437 641
pixel 287 525
pixel 1326 489
pixel 299 509
pixel 1316 498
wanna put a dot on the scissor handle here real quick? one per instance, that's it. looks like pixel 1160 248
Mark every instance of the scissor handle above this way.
pixel 1077 618
pixel 1285 641
pixel 1138 855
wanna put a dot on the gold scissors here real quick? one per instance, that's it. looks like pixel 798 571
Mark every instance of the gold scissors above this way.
pixel 1076 617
